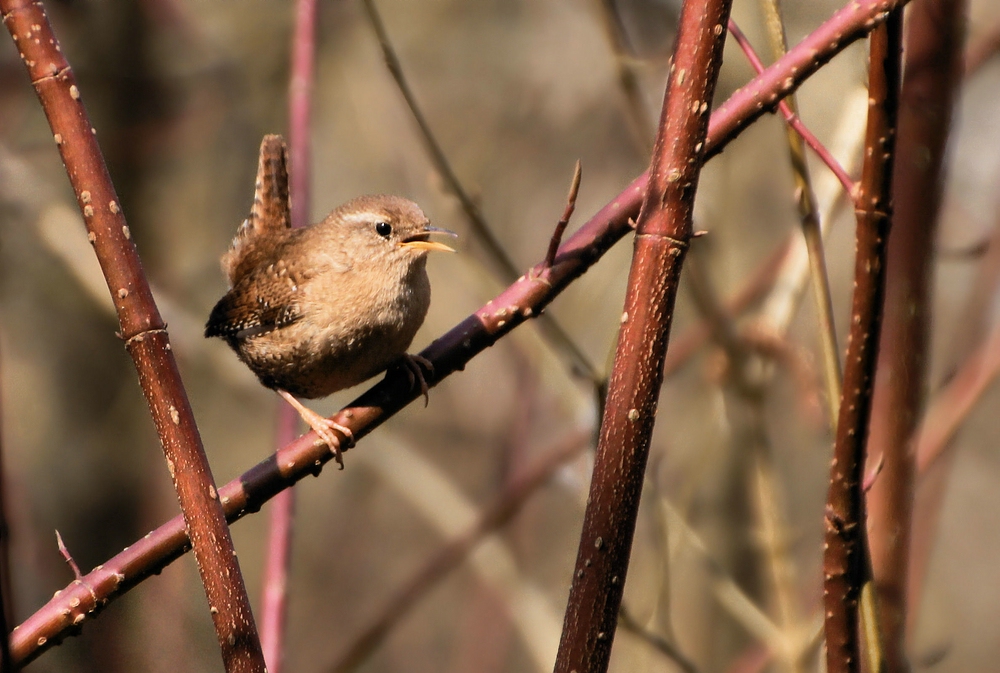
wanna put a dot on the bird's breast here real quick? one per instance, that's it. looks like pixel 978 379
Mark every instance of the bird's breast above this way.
pixel 340 339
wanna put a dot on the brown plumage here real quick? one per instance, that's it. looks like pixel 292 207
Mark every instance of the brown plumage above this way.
pixel 315 310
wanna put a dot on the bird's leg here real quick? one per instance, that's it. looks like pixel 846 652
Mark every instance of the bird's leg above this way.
pixel 322 427
pixel 412 365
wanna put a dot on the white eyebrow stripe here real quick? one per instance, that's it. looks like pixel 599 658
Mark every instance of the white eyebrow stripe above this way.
pixel 364 217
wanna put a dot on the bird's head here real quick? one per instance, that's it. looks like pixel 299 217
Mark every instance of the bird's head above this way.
pixel 389 229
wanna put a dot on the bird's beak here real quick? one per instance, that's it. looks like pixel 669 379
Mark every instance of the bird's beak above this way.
pixel 420 242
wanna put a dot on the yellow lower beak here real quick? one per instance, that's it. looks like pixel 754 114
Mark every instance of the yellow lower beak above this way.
pixel 427 245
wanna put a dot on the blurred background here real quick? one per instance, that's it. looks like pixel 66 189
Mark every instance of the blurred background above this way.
pixel 516 91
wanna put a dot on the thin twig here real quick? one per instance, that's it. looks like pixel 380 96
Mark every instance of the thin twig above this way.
pixel 440 160
pixel 449 354
pixel 780 306
pixel 970 365
pixel 639 118
pixel 486 627
pixel 769 500
pixel 559 337
pixel 274 599
pixel 845 569
pixel 64 552
pixel 658 642
pixel 822 153
pixel 770 87
pixel 557 235
pixel 811 231
pixel 142 330
pixel 663 232
pixel 274 596
pixel 726 591
pixel 432 495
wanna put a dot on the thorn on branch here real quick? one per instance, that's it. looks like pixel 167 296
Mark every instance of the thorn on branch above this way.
pixel 873 475
pixel 68 557
pixel 574 189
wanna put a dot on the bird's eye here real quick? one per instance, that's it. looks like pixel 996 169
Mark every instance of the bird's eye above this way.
pixel 383 229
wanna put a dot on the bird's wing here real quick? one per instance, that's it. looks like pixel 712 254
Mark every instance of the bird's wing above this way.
pixel 270 216
pixel 266 299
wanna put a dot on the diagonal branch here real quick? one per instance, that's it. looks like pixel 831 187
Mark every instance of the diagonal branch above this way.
pixel 142 330
pixel 628 622
pixel 449 354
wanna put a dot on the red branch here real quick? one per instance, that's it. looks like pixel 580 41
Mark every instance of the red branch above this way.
pixel 663 232
pixel 142 330
pixel 935 32
pixel 449 353
pixel 844 559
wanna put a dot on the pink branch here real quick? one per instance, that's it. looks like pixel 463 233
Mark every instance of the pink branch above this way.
pixel 793 119
pixel 275 602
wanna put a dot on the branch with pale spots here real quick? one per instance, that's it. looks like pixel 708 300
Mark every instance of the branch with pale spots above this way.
pixel 142 330
pixel 450 353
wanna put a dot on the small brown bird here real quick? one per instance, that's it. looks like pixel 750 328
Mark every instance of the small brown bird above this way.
pixel 315 310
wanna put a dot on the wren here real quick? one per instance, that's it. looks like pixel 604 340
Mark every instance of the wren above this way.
pixel 318 309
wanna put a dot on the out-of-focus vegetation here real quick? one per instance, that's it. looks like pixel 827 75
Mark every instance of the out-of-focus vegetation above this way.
pixel 181 92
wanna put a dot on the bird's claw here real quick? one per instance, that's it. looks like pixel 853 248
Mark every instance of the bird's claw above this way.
pixel 323 427
pixel 412 365
pixel 323 431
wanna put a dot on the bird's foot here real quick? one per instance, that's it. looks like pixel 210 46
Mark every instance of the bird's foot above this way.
pixel 323 427
pixel 412 365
